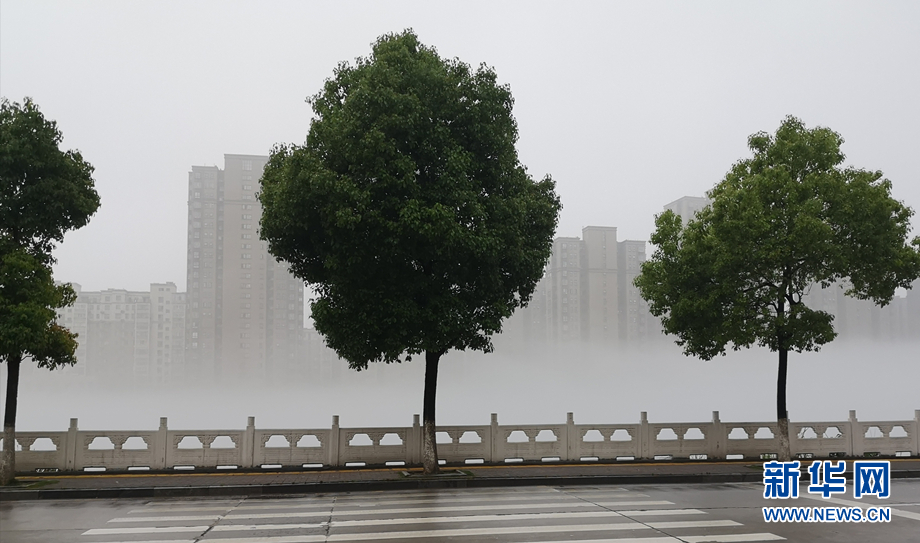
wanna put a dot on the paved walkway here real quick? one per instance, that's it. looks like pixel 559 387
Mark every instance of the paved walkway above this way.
pixel 148 485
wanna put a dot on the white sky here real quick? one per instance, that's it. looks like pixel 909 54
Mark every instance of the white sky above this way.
pixel 628 105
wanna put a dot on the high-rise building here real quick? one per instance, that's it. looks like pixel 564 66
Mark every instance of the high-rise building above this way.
pixel 563 290
pixel 245 312
pixel 687 207
pixel 636 322
pixel 600 295
pixel 587 294
pixel 124 335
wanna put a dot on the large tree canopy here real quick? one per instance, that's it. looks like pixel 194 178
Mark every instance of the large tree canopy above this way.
pixel 44 192
pixel 780 223
pixel 407 208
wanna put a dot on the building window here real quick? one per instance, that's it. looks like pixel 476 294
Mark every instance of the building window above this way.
pixel 247 227
pixel 197 194
pixel 247 187
pixel 247 165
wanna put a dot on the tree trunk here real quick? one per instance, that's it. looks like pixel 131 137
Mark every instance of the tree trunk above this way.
pixel 8 461
pixel 430 444
pixel 782 416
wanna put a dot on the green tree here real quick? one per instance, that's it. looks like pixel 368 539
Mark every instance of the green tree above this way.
pixel 408 211
pixel 44 193
pixel 779 223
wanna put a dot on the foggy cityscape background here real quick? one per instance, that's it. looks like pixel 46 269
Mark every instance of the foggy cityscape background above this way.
pixel 630 107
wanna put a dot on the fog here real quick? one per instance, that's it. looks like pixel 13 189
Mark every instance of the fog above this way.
pixel 878 380
pixel 628 105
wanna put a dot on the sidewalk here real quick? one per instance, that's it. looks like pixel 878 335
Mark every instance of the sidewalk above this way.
pixel 274 483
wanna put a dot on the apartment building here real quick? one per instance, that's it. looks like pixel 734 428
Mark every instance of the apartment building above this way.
pixel 687 207
pixel 245 313
pixel 586 294
pixel 128 335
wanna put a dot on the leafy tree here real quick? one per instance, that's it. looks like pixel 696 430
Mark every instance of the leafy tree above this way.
pixel 44 193
pixel 781 222
pixel 28 300
pixel 409 212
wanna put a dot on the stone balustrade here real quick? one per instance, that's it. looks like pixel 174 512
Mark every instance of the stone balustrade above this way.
pixel 251 448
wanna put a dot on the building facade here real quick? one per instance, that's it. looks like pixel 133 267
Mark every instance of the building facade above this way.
pixel 587 295
pixel 245 310
pixel 129 335
pixel 687 207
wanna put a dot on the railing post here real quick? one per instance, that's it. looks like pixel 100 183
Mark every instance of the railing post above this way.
pixel 570 437
pixel 414 446
pixel 857 447
pixel 160 446
pixel 334 442
pixel 644 445
pixel 70 452
pixel 717 439
pixel 495 450
pixel 248 447
pixel 916 433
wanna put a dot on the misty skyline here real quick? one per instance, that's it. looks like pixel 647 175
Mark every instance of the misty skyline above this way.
pixel 628 106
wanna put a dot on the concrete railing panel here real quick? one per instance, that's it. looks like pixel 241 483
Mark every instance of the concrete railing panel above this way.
pixel 79 450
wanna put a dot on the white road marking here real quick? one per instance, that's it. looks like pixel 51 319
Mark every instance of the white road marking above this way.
pixel 637 502
pixel 146 530
pixel 730 538
pixel 863 505
pixel 467 532
pixel 693 524
pixel 658 512
pixel 419 520
pixel 376 503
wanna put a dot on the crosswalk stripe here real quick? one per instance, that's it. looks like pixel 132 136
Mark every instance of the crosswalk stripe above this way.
pixel 661 512
pixel 467 532
pixel 364 502
pixel 693 524
pixel 604 494
pixel 738 538
pixel 168 519
pixel 731 538
pixel 474 518
pixel 267 539
pixel 449 509
pixel 631 503
pixel 158 541
pixel 665 539
pixel 420 520
pixel 374 511
pixel 145 530
pixel 627 525
pixel 894 512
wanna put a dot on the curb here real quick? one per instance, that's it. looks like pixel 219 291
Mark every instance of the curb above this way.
pixel 256 491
